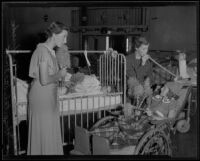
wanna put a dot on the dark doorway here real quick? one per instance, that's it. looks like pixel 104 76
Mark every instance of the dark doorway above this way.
pixel 118 42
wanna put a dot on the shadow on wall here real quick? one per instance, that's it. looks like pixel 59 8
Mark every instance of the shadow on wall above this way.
pixel 23 60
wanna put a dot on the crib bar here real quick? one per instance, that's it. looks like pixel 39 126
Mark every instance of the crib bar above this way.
pixel 62 124
pixel 107 78
pixel 110 102
pixel 17 118
pixel 87 115
pixel 99 107
pixel 81 113
pixel 93 110
pixel 104 113
pixel 121 73
pixel 100 74
pixel 115 71
pixel 103 69
pixel 124 92
pixel 111 71
pixel 17 51
pixel 88 51
pixel 69 122
pixel 75 111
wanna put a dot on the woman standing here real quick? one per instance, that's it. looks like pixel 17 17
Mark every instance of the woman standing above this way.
pixel 44 136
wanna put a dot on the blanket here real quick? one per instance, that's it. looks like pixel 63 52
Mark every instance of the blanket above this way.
pixel 89 84
pixel 22 90
pixel 170 107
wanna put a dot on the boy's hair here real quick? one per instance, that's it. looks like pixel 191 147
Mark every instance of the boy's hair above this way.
pixel 140 41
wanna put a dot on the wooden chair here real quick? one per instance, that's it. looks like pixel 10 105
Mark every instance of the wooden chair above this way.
pixel 82 142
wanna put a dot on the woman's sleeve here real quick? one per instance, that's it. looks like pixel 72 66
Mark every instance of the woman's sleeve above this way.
pixel 129 67
pixel 43 56
pixel 39 55
pixel 150 72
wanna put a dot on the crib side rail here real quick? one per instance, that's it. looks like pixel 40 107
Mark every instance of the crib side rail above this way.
pixel 119 67
pixel 13 71
pixel 112 72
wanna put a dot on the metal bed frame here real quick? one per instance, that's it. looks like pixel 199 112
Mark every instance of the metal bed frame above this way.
pixel 110 68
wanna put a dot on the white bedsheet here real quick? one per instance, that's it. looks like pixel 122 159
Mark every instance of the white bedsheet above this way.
pixel 22 90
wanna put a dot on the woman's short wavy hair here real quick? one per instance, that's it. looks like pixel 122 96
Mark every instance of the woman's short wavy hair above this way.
pixel 56 28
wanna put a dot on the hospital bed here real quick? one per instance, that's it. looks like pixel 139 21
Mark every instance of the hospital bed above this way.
pixel 75 108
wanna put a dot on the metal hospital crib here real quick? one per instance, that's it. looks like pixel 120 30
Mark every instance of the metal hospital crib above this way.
pixel 75 109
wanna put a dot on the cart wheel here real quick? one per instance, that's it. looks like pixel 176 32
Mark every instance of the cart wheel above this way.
pixel 183 126
pixel 103 122
pixel 154 142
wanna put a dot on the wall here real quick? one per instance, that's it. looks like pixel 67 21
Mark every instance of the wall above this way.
pixel 173 28
pixel 31 22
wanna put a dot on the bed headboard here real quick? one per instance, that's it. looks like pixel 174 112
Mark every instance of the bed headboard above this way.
pixel 13 79
pixel 112 72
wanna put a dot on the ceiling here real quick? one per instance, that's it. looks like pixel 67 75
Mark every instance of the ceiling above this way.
pixel 97 3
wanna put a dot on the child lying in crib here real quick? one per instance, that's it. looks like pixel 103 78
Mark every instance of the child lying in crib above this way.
pixel 81 83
